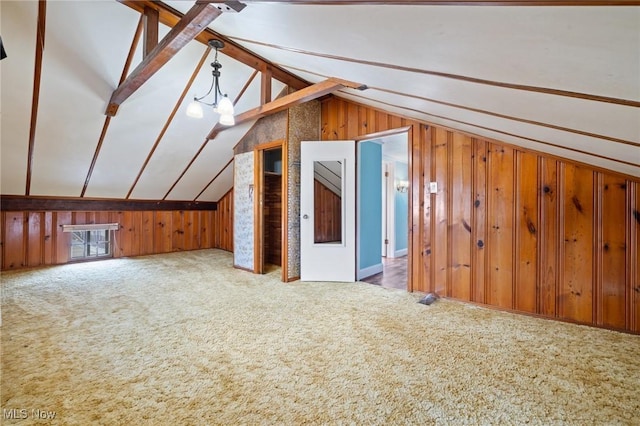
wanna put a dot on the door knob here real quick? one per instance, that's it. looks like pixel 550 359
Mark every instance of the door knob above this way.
pixel 306 216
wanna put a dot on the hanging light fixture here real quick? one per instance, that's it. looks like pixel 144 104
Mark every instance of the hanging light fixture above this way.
pixel 223 105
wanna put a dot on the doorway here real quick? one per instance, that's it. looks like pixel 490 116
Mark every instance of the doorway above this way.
pixel 270 187
pixel 393 219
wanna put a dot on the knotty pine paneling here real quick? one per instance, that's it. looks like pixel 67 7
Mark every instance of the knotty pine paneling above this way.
pixel 549 231
pixel 460 216
pixel 612 253
pixel 35 238
pixel 419 253
pixel 223 223
pixel 327 211
pixel 35 228
pixel 548 236
pixel 479 221
pixel 576 285
pixel 633 280
pixel 439 245
pixel 13 246
pixel 526 203
pixel 500 249
pixel 63 239
pixel 273 219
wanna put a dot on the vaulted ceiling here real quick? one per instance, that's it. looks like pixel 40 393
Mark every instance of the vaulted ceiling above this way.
pixel 557 79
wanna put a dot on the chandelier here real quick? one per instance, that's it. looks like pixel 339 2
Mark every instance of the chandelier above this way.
pixel 221 103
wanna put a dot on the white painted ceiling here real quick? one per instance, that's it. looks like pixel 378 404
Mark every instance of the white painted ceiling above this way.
pixel 500 72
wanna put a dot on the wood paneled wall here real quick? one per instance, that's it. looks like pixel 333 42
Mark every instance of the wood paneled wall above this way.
pixel 272 208
pixel 36 238
pixel 223 223
pixel 512 228
pixel 327 226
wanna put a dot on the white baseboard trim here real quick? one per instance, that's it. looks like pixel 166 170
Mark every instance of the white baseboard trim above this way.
pixel 371 270
pixel 400 253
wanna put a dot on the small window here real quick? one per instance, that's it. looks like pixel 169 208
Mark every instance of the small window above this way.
pixel 90 244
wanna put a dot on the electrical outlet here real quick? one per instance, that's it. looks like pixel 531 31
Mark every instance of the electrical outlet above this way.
pixel 433 187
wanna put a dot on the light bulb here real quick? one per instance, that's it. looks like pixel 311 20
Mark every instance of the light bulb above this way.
pixel 195 110
pixel 227 120
pixel 225 107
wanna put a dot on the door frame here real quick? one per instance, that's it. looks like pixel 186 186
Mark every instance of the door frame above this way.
pixel 413 195
pixel 258 207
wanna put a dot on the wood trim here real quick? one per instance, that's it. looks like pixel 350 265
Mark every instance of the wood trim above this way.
pixel 258 208
pixel 37 203
pixel 213 179
pixel 170 17
pixel 633 284
pixel 40 33
pixel 285 208
pixel 107 120
pixel 258 211
pixel 465 78
pixel 265 86
pixel 416 206
pixel 486 112
pixel 512 118
pixel 512 135
pixel 169 121
pixel 597 274
pixel 191 24
pixel 301 96
pixel 150 17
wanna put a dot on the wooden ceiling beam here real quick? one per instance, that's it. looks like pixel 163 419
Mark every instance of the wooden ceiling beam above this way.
pixel 170 17
pixel 35 99
pixel 185 30
pixel 43 203
pixel 151 30
pixel 307 94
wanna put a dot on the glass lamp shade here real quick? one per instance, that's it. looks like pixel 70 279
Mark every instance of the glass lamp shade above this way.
pixel 225 107
pixel 227 120
pixel 195 110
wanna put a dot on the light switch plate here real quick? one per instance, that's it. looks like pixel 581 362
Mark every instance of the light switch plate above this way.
pixel 433 187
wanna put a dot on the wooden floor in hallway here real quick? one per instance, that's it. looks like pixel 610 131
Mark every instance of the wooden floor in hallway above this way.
pixel 393 275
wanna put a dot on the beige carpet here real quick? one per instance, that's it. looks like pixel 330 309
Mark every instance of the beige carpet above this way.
pixel 183 339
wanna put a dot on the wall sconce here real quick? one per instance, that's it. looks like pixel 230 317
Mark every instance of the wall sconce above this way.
pixel 402 186
pixel 224 106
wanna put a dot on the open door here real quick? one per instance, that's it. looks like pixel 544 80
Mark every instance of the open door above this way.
pixel 327 211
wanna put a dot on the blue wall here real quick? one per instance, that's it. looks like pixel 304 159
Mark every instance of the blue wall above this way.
pixel 370 202
pixel 401 208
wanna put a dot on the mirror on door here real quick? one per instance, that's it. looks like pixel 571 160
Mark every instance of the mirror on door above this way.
pixel 327 201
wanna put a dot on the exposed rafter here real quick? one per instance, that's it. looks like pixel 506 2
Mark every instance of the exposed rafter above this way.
pixel 151 30
pixel 191 24
pixel 315 91
pixel 40 33
pixel 107 119
pixel 170 17
pixel 40 203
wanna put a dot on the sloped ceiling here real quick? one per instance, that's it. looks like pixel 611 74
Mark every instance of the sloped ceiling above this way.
pixel 557 79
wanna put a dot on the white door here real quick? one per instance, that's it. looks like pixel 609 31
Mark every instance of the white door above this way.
pixel 327 211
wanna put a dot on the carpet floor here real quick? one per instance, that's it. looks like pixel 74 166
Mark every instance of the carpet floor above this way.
pixel 185 339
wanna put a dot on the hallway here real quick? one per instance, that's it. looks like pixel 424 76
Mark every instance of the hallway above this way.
pixel 394 273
